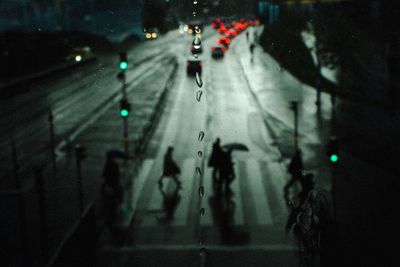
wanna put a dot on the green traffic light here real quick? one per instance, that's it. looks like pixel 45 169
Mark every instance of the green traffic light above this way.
pixel 334 158
pixel 124 113
pixel 123 65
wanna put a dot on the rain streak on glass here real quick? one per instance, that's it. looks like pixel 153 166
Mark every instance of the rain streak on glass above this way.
pixel 202 211
pixel 200 154
pixel 196 42
pixel 198 171
pixel 201 136
pixel 201 191
pixel 199 81
pixel 198 95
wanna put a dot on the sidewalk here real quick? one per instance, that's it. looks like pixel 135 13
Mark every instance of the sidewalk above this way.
pixel 365 194
pixel 61 192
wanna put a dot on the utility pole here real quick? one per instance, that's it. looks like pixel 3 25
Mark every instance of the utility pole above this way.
pixel 294 107
pixel 80 154
pixel 124 104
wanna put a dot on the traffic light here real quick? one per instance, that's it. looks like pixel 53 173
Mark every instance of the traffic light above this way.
pixel 125 108
pixel 80 152
pixel 123 61
pixel 333 150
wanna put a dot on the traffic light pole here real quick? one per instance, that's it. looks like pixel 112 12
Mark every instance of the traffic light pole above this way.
pixel 333 173
pixel 79 154
pixel 293 106
pixel 52 143
pixel 125 118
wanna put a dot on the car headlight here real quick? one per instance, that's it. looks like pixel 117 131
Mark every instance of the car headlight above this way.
pixel 154 35
pixel 78 58
pixel 148 35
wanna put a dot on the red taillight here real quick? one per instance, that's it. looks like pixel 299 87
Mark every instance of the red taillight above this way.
pixel 213 48
pixel 228 41
pixel 223 49
pixel 213 24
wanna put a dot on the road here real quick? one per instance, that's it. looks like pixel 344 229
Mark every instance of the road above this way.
pixel 227 110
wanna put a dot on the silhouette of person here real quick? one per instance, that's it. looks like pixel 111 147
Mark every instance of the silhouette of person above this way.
pixel 170 202
pixel 252 46
pixel 215 160
pixel 171 169
pixel 295 168
pixel 226 171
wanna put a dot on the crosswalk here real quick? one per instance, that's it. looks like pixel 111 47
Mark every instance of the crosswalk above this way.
pixel 257 195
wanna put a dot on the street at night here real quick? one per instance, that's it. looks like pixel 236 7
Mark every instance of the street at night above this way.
pixel 199 133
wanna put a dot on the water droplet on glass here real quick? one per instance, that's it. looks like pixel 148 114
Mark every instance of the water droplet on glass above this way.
pixel 198 171
pixel 197 42
pixel 201 136
pixel 199 81
pixel 202 211
pixel 201 191
pixel 195 2
pixel 198 95
pixel 194 13
pixel 199 153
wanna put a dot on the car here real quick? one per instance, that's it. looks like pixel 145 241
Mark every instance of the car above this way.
pixel 195 27
pixel 224 41
pixel 151 34
pixel 79 54
pixel 217 51
pixel 193 65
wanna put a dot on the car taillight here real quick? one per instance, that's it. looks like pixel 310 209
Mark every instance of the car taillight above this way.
pixel 228 41
pixel 213 24
pixel 223 49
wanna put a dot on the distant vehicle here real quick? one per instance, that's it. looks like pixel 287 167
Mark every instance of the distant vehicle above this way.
pixel 217 51
pixel 79 54
pixel 192 27
pixel 193 66
pixel 151 34
pixel 224 41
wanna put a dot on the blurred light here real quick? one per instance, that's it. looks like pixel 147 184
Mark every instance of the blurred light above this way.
pixel 190 31
pixel 334 158
pixel 186 28
pixel 78 58
pixel 154 35
pixel 124 113
pixel 123 65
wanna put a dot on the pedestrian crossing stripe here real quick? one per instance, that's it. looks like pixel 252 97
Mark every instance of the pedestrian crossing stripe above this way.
pixel 257 194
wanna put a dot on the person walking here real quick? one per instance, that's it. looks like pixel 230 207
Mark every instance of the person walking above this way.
pixel 295 168
pixel 227 174
pixel 215 160
pixel 171 169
